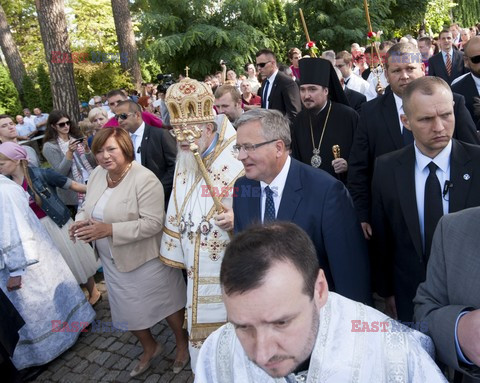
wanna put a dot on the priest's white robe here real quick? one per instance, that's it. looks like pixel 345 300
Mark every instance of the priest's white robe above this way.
pixel 399 354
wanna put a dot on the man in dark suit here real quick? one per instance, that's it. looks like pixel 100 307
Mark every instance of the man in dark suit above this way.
pixel 380 130
pixel 414 186
pixel 278 91
pixel 448 301
pixel 469 85
pixel 447 64
pixel 278 187
pixel 154 148
pixel 355 99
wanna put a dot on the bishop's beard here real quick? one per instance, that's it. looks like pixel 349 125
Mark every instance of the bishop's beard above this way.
pixel 186 159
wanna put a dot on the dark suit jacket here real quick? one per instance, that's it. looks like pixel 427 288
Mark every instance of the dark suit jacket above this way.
pixel 10 323
pixel 159 153
pixel 355 99
pixel 284 96
pixel 395 225
pixel 467 88
pixel 436 66
pixel 320 205
pixel 379 133
pixel 452 285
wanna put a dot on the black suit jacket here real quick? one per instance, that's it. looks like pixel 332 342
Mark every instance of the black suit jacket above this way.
pixel 355 99
pixel 159 153
pixel 379 133
pixel 468 89
pixel 320 205
pixel 436 66
pixel 396 229
pixel 284 96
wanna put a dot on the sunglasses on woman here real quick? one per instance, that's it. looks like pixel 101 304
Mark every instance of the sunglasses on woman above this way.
pixel 63 124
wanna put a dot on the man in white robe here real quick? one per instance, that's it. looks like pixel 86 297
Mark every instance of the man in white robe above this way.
pixel 195 234
pixel 38 282
pixel 286 327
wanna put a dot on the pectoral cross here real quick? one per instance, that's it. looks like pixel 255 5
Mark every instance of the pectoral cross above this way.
pixel 186 70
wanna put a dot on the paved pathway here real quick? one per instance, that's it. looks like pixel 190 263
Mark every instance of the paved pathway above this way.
pixel 100 356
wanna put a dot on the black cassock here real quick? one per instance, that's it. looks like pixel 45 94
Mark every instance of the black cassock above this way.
pixel 339 130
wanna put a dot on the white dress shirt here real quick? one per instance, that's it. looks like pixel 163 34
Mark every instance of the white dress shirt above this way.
pixel 138 142
pixel 400 111
pixel 277 186
pixel 442 160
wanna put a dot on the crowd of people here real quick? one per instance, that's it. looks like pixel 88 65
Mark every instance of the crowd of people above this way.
pixel 299 200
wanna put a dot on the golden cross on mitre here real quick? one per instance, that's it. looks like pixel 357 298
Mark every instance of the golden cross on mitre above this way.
pixel 186 70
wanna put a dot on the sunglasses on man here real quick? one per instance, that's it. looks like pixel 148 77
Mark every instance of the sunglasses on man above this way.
pixel 262 65
pixel 475 59
pixel 122 116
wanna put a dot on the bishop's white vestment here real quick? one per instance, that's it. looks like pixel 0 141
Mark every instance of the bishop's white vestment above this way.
pixel 191 239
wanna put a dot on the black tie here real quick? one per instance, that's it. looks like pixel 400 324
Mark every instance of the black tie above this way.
pixel 265 93
pixel 269 215
pixel 407 137
pixel 346 81
pixel 432 206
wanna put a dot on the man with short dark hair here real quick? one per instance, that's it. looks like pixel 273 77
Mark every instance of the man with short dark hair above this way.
pixel 278 91
pixel 469 85
pixel 414 186
pixel 116 96
pixel 154 148
pixel 285 326
pixel 278 187
pixel 426 49
pixel 228 101
pixel 380 130
pixel 344 62
pixel 448 63
pixel 8 133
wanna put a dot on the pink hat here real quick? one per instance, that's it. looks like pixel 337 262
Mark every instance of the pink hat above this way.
pixel 13 151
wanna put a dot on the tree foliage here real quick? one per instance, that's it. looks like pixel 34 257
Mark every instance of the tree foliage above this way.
pixel 200 33
pixel 31 94
pixel 467 12
pixel 9 100
pixel 97 78
pixel 43 80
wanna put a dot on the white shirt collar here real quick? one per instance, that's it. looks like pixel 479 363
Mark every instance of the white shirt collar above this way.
pixel 139 132
pixel 442 159
pixel 271 79
pixel 278 183
pixel 400 111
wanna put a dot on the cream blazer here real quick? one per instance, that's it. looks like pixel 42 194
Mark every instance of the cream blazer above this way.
pixel 136 212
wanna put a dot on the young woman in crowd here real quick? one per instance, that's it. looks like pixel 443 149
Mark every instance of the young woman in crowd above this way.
pixel 68 153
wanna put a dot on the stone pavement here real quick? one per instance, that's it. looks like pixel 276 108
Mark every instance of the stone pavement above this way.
pixel 100 356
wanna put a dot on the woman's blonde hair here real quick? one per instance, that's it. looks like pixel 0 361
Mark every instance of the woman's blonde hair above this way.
pixel 24 165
